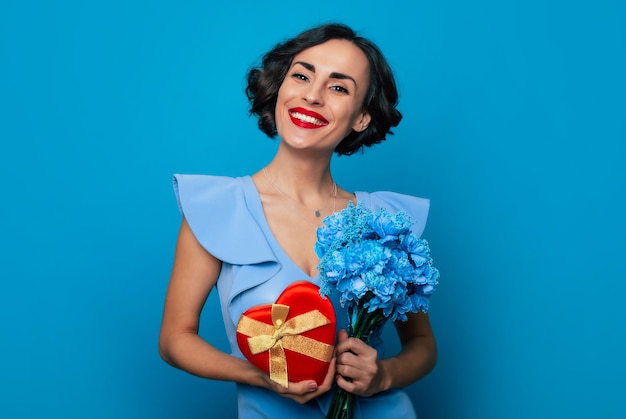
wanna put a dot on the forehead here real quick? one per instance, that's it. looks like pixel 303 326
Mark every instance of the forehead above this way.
pixel 336 56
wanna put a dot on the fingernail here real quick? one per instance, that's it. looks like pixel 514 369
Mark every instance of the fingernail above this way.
pixel 312 387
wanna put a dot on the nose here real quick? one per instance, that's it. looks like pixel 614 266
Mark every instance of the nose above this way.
pixel 314 95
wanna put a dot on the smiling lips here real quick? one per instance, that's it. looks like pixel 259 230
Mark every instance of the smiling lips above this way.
pixel 305 118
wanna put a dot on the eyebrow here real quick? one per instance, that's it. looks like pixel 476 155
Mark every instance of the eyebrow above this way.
pixel 333 75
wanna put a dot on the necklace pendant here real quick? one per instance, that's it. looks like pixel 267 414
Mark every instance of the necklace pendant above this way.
pixel 317 213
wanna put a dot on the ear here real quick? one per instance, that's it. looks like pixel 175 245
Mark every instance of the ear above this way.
pixel 362 121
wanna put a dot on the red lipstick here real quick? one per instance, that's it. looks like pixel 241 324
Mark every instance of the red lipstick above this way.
pixel 305 118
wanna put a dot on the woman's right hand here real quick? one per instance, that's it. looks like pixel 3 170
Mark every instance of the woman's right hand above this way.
pixel 304 391
pixel 194 274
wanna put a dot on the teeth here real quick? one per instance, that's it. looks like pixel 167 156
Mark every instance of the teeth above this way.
pixel 306 118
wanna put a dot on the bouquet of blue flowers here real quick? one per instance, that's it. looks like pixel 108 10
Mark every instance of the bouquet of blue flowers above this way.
pixel 381 270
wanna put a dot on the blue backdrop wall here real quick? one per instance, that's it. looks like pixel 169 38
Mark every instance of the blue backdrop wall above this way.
pixel 514 126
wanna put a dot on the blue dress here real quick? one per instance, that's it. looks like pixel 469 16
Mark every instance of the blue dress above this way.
pixel 226 216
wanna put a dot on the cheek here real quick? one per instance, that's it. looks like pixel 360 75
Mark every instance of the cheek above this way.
pixel 280 104
pixel 286 90
pixel 279 121
pixel 352 116
pixel 284 96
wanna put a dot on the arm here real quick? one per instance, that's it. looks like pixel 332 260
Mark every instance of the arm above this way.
pixel 359 362
pixel 194 274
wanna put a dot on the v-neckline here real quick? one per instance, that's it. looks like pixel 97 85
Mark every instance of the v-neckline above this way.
pixel 255 205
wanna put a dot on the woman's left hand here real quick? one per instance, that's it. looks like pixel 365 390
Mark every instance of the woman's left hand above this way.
pixel 359 371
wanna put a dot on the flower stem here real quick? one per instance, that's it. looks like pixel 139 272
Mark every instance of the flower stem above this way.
pixel 364 327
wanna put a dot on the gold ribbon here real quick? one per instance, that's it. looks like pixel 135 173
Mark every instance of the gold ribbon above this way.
pixel 285 335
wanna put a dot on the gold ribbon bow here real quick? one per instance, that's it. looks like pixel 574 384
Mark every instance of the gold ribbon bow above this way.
pixel 285 335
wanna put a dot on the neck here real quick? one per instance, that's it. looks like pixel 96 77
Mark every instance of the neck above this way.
pixel 304 178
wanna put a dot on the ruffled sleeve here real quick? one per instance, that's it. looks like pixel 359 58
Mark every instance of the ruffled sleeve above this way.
pixel 215 209
pixel 221 216
pixel 417 208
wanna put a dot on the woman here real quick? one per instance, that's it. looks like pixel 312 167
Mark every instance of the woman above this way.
pixel 325 91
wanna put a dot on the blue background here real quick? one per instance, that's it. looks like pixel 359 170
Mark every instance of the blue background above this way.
pixel 514 126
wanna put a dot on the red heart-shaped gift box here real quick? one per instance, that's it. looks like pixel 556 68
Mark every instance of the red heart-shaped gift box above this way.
pixel 308 358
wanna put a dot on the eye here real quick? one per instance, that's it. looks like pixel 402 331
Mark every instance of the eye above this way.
pixel 300 76
pixel 340 89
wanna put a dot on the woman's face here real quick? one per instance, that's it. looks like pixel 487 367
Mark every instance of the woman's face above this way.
pixel 321 99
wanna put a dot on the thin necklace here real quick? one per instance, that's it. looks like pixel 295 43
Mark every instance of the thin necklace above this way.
pixel 318 211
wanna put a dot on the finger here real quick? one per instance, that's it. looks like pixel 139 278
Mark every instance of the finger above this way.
pixel 302 387
pixel 354 345
pixel 346 384
pixel 328 380
pixel 293 388
pixel 358 356
pixel 305 391
pixel 342 335
pixel 347 371
pixel 355 368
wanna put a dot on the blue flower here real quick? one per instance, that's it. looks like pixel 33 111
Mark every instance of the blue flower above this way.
pixel 420 302
pixel 389 226
pixel 400 263
pixel 374 261
pixel 367 256
pixel 336 266
pixel 331 232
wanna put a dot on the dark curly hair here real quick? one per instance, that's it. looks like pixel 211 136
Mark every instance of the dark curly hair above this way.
pixel 380 100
